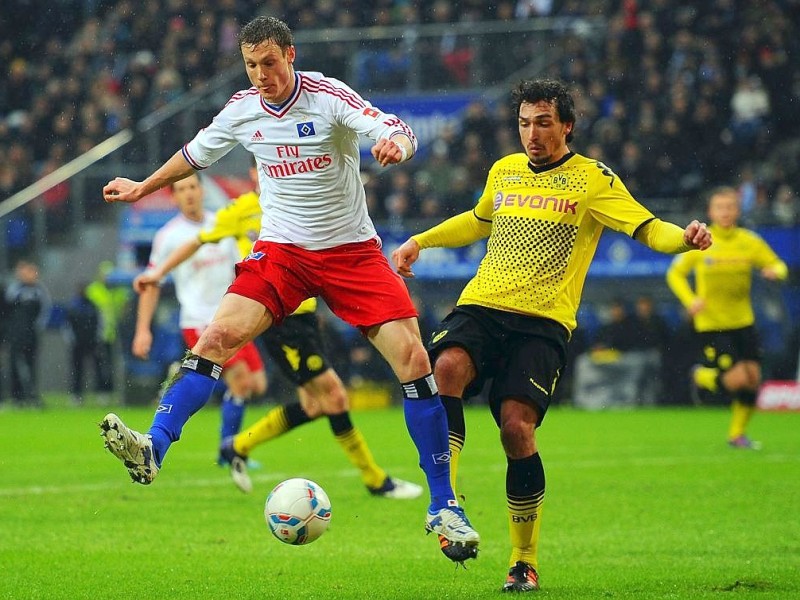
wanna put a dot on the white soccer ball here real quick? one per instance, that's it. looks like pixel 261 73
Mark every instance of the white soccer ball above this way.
pixel 297 511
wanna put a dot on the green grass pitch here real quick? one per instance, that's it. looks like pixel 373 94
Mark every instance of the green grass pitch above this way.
pixel 639 504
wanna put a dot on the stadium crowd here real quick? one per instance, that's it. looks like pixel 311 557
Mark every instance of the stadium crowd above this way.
pixel 676 99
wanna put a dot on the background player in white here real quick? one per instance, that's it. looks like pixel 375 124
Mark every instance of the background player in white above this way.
pixel 316 239
pixel 199 287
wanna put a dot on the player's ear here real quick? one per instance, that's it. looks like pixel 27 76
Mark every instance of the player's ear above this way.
pixel 290 54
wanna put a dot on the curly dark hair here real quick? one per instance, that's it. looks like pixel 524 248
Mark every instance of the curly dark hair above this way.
pixel 262 29
pixel 549 90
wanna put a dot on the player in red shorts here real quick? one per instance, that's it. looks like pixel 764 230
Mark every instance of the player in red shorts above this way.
pixel 316 239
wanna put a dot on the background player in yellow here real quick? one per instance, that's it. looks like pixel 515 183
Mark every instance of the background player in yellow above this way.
pixel 296 345
pixel 722 311
pixel 543 211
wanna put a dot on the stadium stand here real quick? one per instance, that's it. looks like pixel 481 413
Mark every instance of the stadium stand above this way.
pixel 676 98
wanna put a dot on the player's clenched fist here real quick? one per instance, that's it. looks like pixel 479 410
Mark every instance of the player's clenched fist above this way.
pixel 121 190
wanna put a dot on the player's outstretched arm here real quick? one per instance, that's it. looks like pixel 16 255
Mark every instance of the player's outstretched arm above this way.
pixel 143 336
pixel 156 274
pixel 121 189
pixel 669 238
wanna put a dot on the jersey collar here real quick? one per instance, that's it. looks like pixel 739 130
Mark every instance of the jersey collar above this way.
pixel 558 163
pixel 278 110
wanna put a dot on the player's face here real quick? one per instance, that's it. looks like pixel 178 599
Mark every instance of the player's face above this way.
pixel 541 132
pixel 270 70
pixel 723 210
pixel 188 194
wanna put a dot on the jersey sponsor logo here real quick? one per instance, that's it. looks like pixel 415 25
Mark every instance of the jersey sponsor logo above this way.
pixel 287 168
pixel 255 256
pixel 536 202
pixel 371 112
pixel 257 137
pixel 164 409
pixel 306 129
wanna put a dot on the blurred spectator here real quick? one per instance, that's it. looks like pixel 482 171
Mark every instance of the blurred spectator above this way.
pixel 82 332
pixel 750 108
pixel 786 206
pixel 653 331
pixel 620 332
pixel 110 302
pixel 29 309
pixel 527 9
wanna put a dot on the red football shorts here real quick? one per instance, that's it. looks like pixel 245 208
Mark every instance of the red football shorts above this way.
pixel 248 353
pixel 355 280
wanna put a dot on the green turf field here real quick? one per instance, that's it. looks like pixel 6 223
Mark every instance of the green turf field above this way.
pixel 645 504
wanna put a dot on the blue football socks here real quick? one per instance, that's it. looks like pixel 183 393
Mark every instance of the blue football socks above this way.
pixel 187 393
pixel 426 421
pixel 232 415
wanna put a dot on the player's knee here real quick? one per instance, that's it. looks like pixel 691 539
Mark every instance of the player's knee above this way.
pixel 453 370
pixel 311 406
pixel 338 401
pixel 516 436
pixel 330 394
pixel 219 341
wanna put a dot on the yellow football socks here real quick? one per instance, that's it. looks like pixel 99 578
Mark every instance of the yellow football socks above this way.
pixel 270 426
pixel 359 455
pixel 741 414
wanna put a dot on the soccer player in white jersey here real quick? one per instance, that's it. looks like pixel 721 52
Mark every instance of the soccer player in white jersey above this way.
pixel 316 239
pixel 199 287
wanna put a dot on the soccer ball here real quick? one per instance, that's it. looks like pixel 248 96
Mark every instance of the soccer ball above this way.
pixel 297 511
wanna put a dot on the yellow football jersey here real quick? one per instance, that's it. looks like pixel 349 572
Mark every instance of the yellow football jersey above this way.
pixel 545 226
pixel 723 277
pixel 241 219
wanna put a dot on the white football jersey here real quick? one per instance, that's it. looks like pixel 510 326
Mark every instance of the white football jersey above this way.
pixel 308 158
pixel 202 280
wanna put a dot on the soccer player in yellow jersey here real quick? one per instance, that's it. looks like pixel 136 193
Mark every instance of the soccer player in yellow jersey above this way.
pixel 543 211
pixel 722 311
pixel 297 347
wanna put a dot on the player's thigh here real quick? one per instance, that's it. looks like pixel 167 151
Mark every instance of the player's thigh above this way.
pixel 401 345
pixel 529 373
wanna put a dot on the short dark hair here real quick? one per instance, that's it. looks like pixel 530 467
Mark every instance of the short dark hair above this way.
pixel 262 29
pixel 549 90
pixel 722 190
